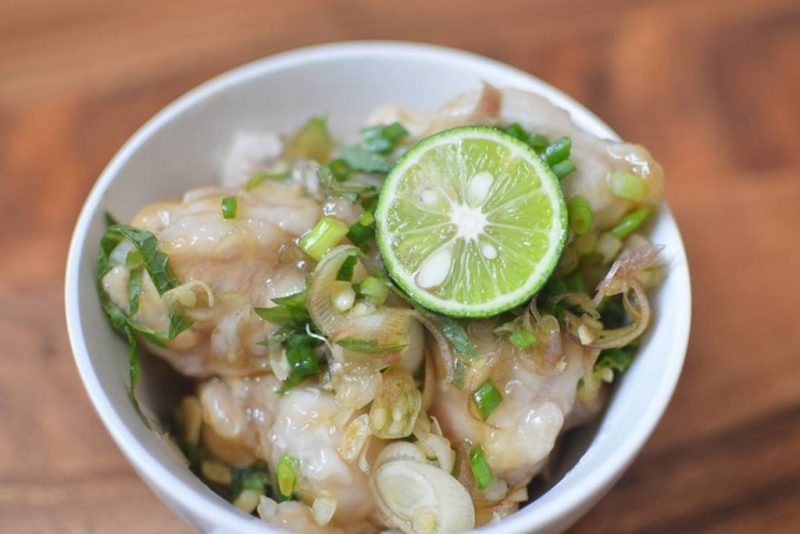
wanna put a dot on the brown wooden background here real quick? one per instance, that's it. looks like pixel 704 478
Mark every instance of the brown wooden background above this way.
pixel 712 87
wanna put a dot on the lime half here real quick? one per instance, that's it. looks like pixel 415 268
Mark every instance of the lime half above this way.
pixel 471 222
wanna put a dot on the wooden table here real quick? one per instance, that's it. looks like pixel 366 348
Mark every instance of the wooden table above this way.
pixel 712 87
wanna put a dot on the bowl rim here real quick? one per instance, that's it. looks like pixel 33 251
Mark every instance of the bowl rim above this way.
pixel 224 517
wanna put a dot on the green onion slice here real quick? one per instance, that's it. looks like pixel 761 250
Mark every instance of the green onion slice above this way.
pixel 522 338
pixel 481 471
pixel 628 186
pixel 563 168
pixel 580 215
pixel 345 273
pixel 369 346
pixel 487 398
pixel 286 473
pixel 557 151
pixel 328 232
pixel 359 234
pixel 373 290
pixel 229 205
pixel 630 222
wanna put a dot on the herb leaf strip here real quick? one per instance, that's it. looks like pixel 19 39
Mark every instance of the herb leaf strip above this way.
pixel 156 264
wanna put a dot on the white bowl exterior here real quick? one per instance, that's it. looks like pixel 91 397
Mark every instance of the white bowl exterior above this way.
pixel 181 148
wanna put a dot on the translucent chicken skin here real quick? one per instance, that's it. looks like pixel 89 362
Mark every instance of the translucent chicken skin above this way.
pixel 382 430
pixel 246 419
pixel 520 434
pixel 229 266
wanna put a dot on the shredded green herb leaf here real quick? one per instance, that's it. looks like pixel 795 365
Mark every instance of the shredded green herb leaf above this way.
pixel 303 364
pixel 384 139
pixel 260 177
pixel 456 335
pixel 369 346
pixel 156 264
pixel 287 310
pixel 362 160
pixel 134 290
pixel 349 190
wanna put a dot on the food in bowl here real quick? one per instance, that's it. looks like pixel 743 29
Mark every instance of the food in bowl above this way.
pixel 392 331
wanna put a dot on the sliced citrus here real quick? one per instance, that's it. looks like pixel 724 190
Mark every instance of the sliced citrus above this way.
pixel 471 222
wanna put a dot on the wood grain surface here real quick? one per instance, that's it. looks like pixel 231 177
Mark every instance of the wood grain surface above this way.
pixel 712 87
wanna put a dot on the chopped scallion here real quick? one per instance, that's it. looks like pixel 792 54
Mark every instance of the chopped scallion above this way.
pixel 359 234
pixel 328 232
pixel 481 471
pixel 563 168
pixel 628 186
pixel 286 474
pixel 609 246
pixel 373 290
pixel 366 218
pixel 557 151
pixel 229 205
pixel 580 215
pixel 516 131
pixel 340 169
pixel 538 142
pixel 522 338
pixel 630 222
pixel 486 399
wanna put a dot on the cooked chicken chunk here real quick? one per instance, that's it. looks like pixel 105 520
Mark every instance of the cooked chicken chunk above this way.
pixel 233 265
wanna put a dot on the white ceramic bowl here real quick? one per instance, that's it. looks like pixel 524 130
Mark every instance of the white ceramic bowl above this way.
pixel 180 148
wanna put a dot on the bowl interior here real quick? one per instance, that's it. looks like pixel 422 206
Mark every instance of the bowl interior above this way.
pixel 182 148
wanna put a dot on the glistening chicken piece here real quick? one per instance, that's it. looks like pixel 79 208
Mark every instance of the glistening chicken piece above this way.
pixel 595 157
pixel 246 419
pixel 538 398
pixel 226 268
